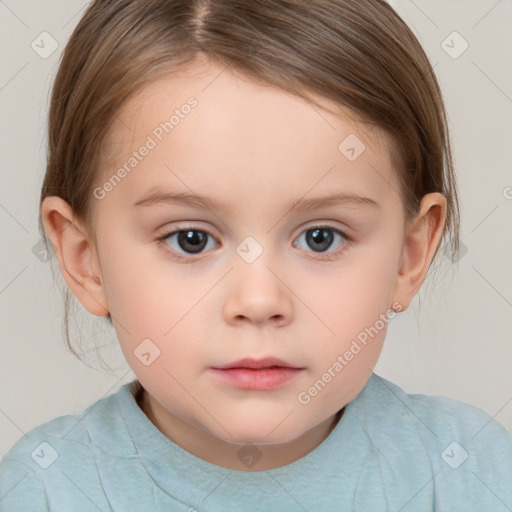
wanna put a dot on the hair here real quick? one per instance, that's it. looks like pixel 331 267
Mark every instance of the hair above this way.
pixel 360 55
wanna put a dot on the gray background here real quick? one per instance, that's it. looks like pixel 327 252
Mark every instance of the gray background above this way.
pixel 454 340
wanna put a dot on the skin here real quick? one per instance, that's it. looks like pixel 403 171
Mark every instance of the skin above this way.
pixel 257 149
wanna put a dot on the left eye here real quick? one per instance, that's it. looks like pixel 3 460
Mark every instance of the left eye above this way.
pixel 320 238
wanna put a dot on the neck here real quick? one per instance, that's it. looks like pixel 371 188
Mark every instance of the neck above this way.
pixel 216 451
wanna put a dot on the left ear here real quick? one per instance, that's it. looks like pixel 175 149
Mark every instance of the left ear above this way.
pixel 422 236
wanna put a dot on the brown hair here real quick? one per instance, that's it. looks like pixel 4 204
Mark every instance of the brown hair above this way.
pixel 361 55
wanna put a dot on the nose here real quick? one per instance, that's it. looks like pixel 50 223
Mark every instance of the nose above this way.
pixel 258 294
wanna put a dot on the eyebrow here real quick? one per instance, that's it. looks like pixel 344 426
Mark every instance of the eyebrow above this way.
pixel 156 197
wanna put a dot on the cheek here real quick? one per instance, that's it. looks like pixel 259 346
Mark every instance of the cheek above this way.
pixel 356 307
pixel 356 295
pixel 359 314
pixel 152 299
pixel 141 293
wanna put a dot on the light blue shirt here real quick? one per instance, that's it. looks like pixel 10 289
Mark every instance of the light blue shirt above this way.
pixel 391 451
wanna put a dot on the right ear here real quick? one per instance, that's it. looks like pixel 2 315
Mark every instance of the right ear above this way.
pixel 76 254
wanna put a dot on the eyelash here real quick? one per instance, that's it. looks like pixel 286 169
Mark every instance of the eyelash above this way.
pixel 332 255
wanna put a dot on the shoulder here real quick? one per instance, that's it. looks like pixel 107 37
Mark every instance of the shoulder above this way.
pixel 53 452
pixel 434 412
pixel 19 486
pixel 442 415
pixel 101 418
pixel 438 416
pixel 468 452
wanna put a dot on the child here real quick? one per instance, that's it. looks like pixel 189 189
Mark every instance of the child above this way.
pixel 250 192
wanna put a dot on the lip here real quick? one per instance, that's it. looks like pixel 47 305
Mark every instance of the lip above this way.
pixel 257 374
pixel 257 364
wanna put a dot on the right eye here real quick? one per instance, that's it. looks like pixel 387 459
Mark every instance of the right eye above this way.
pixel 190 241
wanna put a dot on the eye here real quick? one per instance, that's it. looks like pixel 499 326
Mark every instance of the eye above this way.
pixel 321 238
pixel 190 240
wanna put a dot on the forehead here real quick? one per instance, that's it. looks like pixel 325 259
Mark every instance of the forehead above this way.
pixel 216 87
pixel 219 129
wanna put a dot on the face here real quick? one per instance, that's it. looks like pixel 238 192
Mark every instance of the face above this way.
pixel 264 269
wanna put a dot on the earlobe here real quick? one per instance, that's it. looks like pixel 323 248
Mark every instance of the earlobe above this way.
pixel 422 237
pixel 75 253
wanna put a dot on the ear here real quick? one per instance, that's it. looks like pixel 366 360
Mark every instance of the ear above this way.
pixel 76 254
pixel 421 239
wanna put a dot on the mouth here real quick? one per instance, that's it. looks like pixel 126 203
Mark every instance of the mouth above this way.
pixel 257 374
pixel 258 364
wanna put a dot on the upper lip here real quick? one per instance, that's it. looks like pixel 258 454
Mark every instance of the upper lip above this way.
pixel 256 364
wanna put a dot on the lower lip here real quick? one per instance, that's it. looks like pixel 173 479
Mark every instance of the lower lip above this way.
pixel 259 380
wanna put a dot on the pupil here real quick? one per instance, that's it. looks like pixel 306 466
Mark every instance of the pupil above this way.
pixel 321 237
pixel 192 241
